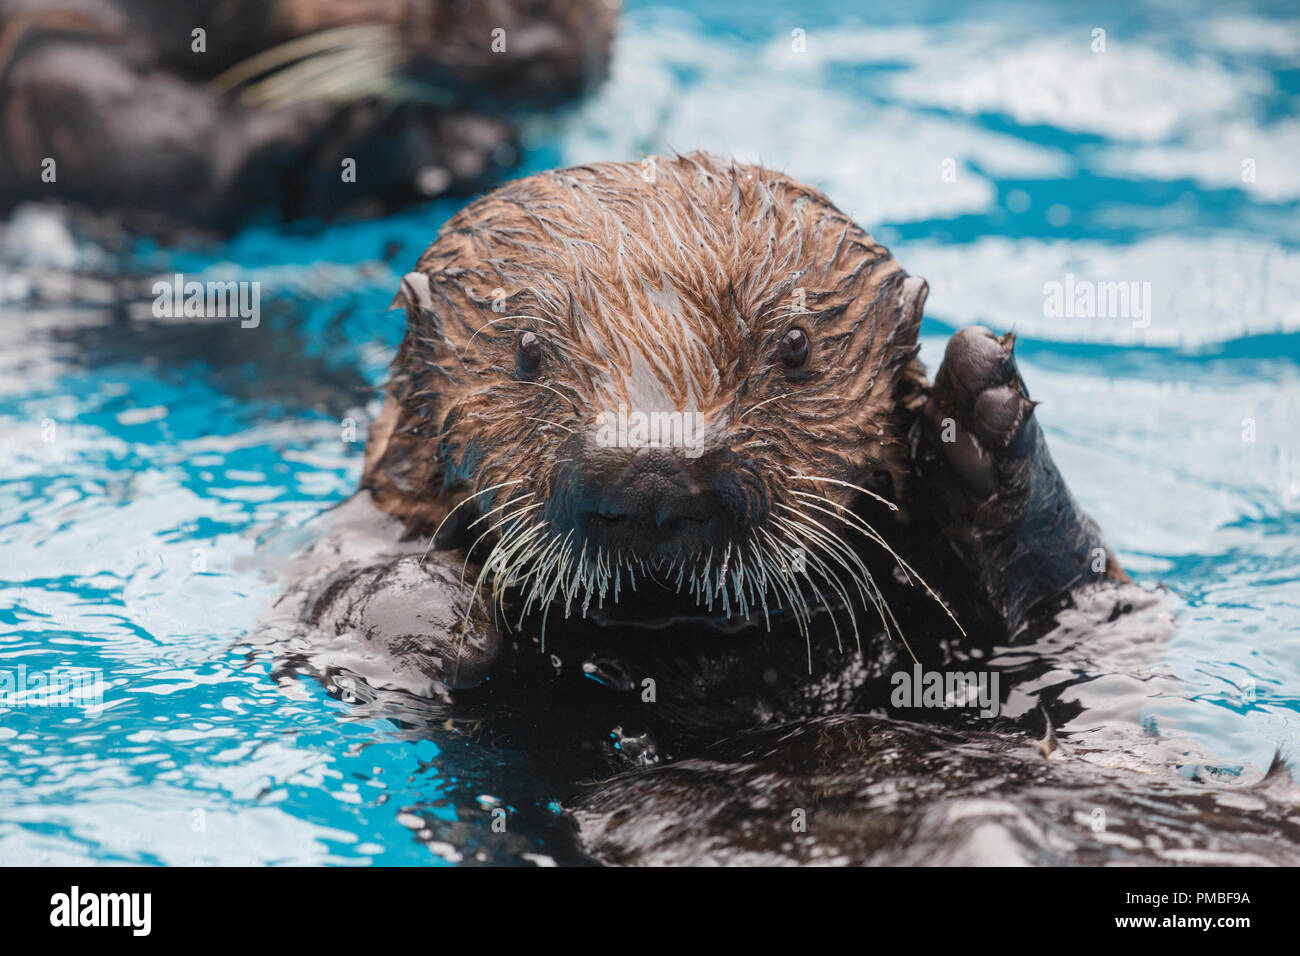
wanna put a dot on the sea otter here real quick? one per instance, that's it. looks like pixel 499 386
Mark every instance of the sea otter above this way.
pixel 775 340
pixel 207 115
pixel 660 489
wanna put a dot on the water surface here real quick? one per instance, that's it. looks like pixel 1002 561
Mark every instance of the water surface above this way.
pixel 147 470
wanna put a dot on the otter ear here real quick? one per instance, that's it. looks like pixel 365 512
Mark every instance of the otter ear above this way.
pixel 417 297
pixel 911 300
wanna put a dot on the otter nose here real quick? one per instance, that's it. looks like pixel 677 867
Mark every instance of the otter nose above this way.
pixel 655 489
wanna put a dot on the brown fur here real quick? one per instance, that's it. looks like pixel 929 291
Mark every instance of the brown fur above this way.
pixel 673 278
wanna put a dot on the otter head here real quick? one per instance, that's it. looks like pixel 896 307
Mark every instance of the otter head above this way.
pixel 686 371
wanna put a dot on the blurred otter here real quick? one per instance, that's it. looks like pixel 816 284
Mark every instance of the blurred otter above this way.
pixel 212 113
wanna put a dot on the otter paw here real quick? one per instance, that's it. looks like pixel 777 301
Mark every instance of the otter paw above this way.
pixel 979 410
pixel 406 623
pixel 984 470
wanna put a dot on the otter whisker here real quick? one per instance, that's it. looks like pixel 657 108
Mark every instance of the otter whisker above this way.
pixel 759 588
pixel 294 50
pixel 294 70
pixel 834 540
pixel 476 595
pixel 800 606
pixel 556 572
pixel 873 596
pixel 498 559
pixel 502 555
pixel 608 574
pixel 499 523
pixel 580 576
pixel 558 578
pixel 839 548
pixel 503 318
pixel 882 606
pixel 593 582
pixel 533 418
pixel 850 519
pixel 810 555
pixel 601 575
pixel 551 389
pixel 505 504
pixel 767 576
pixel 704 578
pixel 569 584
pixel 340 76
pixel 539 559
pixel 723 572
pixel 878 599
pixel 908 570
pixel 517 541
pixel 468 498
pixel 833 553
pixel 835 481
pixel 788 586
pixel 538 570
pixel 488 565
pixel 772 398
pixel 757 584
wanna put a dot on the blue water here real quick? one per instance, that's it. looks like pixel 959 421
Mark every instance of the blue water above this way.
pixel 139 498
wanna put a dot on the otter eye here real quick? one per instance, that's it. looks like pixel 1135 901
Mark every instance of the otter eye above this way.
pixel 794 350
pixel 528 353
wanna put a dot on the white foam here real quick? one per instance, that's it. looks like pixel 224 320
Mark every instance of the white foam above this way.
pixel 1214 154
pixel 1129 92
pixel 674 89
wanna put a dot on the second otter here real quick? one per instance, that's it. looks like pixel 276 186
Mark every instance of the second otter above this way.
pixel 211 114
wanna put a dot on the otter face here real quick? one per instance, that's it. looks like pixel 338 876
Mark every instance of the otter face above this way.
pixel 682 370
